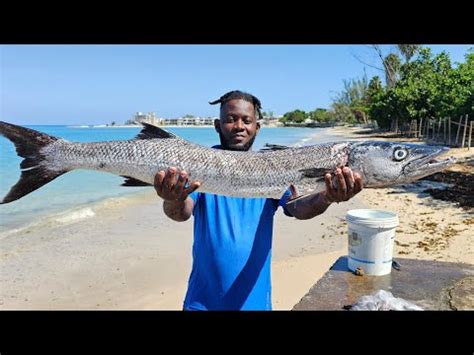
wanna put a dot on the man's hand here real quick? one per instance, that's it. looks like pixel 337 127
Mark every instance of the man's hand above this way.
pixel 346 185
pixel 171 186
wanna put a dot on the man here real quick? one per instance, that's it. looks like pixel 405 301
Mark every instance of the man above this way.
pixel 233 236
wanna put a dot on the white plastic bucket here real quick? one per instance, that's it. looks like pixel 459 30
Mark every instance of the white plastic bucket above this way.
pixel 371 240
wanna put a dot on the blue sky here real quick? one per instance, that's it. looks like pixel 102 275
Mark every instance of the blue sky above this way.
pixel 93 84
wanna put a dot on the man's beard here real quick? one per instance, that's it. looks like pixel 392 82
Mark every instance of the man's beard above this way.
pixel 243 148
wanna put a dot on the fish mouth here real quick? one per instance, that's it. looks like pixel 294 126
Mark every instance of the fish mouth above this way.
pixel 429 164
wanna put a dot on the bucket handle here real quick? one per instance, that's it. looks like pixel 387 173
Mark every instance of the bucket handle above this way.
pixel 396 265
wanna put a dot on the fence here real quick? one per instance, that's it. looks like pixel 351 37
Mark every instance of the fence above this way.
pixel 451 132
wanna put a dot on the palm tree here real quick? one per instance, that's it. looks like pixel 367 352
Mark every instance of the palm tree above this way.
pixel 391 65
pixel 408 50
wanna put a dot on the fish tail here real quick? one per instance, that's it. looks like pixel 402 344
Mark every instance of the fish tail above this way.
pixel 35 172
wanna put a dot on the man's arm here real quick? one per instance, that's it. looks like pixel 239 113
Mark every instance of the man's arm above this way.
pixel 177 204
pixel 179 211
pixel 348 184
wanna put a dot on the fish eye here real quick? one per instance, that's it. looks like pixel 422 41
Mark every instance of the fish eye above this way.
pixel 400 154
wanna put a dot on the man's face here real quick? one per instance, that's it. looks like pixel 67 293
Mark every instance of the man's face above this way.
pixel 238 125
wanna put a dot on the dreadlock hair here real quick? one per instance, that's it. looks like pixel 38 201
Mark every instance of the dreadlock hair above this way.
pixel 240 95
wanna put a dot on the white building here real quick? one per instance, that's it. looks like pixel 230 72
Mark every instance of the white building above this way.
pixel 191 121
pixel 149 117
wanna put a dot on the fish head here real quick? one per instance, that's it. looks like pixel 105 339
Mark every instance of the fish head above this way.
pixel 390 163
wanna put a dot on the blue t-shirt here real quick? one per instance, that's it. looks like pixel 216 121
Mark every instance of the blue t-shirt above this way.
pixel 232 252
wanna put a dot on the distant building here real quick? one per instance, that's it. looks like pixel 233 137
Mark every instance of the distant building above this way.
pixel 271 120
pixel 189 121
pixel 151 118
pixel 172 121
pixel 208 121
pixel 196 121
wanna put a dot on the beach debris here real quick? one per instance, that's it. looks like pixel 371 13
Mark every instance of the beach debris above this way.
pixel 266 173
pixel 469 221
pixel 382 300
pixel 359 271
pixel 439 237
pixel 461 190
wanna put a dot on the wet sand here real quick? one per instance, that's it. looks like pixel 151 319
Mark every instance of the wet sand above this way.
pixel 129 255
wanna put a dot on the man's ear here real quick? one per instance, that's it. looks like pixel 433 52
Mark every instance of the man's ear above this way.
pixel 258 126
pixel 217 125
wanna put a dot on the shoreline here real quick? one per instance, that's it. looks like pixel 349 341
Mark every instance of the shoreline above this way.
pixel 175 126
pixel 133 257
pixel 128 255
pixel 75 214
pixel 84 210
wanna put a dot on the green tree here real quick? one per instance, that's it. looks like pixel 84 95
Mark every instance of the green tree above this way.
pixel 374 90
pixel 350 105
pixel 429 86
pixel 392 64
pixel 408 50
pixel 421 87
pixel 342 113
pixel 462 83
pixel 296 116
pixel 321 115
pixel 267 115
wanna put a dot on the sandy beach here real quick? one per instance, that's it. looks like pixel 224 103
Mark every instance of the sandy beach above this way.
pixel 124 253
pixel 430 229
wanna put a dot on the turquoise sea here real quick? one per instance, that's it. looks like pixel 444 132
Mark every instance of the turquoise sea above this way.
pixel 82 187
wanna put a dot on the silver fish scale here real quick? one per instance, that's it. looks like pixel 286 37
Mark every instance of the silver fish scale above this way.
pixel 231 173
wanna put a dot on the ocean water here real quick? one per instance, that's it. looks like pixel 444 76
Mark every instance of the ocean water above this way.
pixel 70 194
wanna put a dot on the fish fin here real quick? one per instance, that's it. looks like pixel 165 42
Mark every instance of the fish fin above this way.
pixel 270 147
pixel 129 181
pixel 28 144
pixel 30 180
pixel 27 141
pixel 150 131
pixel 315 172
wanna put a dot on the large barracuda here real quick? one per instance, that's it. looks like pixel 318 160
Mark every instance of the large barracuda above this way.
pixel 245 174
